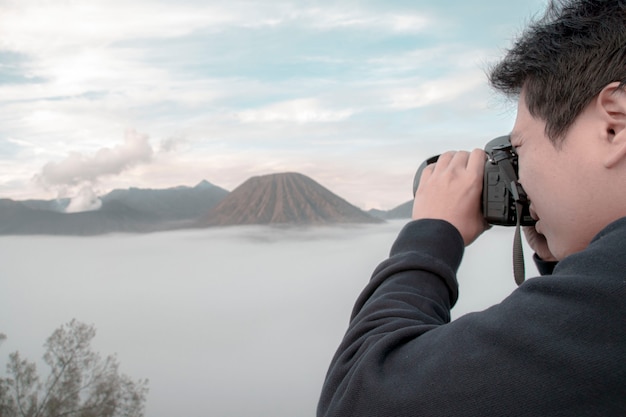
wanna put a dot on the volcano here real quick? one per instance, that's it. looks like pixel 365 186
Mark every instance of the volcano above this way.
pixel 286 198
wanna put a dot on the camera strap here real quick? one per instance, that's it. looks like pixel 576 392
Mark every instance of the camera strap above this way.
pixel 519 196
pixel 519 272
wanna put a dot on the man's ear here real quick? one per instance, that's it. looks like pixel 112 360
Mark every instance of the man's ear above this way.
pixel 612 105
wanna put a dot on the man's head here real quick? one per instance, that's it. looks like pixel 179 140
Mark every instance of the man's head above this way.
pixel 568 71
pixel 565 59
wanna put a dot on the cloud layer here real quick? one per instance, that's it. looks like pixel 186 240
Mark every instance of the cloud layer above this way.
pixel 213 339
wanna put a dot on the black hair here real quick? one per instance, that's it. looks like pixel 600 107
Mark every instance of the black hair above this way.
pixel 564 59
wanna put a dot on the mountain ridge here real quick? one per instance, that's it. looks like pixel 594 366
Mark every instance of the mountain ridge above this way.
pixel 285 198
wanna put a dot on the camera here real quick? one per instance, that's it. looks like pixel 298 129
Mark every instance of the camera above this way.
pixel 503 196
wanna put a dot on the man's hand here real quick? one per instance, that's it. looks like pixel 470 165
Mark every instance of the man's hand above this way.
pixel 450 190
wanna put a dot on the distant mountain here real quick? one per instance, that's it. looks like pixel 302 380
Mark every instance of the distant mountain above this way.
pixel 273 199
pixel 288 198
pixel 127 211
pixel 171 204
pixel 58 205
pixel 19 219
pixel 403 211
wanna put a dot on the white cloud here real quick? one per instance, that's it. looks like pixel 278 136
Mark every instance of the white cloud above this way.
pixel 448 58
pixel 41 27
pixel 409 23
pixel 297 111
pixel 429 92
pixel 50 27
pixel 333 16
pixel 77 168
pixel 21 143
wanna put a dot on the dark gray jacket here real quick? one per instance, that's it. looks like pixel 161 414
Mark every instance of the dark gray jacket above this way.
pixel 555 347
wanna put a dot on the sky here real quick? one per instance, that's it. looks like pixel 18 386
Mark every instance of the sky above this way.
pixel 104 94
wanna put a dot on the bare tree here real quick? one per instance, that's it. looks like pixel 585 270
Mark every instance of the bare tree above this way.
pixel 80 383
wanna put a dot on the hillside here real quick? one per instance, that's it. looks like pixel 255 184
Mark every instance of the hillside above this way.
pixel 123 211
pixel 403 211
pixel 171 204
pixel 18 219
pixel 287 198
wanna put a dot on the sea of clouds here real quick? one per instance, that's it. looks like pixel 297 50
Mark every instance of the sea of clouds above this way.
pixel 238 321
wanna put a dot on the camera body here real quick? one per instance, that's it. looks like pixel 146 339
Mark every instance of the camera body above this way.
pixel 502 195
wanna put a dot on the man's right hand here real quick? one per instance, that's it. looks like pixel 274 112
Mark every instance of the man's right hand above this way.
pixel 450 190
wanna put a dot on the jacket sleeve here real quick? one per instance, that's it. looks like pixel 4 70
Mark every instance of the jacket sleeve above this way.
pixel 409 294
pixel 544 267
pixel 544 350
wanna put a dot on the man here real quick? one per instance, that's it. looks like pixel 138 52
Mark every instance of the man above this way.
pixel 557 345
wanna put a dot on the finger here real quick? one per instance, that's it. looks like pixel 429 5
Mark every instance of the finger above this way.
pixel 476 162
pixel 426 173
pixel 444 161
pixel 459 160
